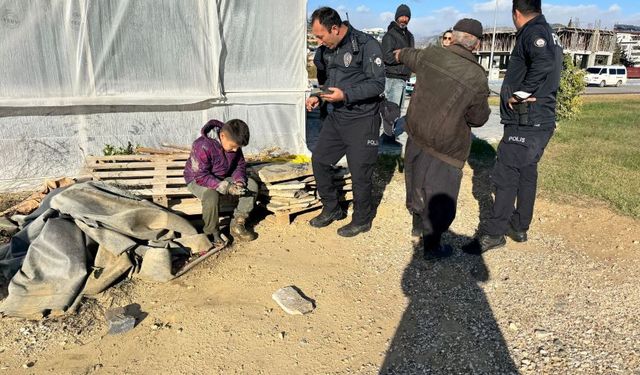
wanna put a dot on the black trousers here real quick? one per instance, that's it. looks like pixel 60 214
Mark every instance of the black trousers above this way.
pixel 358 140
pixel 432 191
pixel 515 177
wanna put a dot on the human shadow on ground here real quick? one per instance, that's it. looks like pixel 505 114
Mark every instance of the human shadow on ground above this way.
pixel 481 160
pixel 448 326
pixel 382 175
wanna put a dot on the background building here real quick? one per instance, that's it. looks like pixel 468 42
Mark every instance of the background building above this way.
pixel 628 36
pixel 376 32
pixel 586 46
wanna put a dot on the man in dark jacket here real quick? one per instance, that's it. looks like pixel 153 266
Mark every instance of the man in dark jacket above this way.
pixel 397 37
pixel 528 112
pixel 355 80
pixel 451 98
pixel 217 167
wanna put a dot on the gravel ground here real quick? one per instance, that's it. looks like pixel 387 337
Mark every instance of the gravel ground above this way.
pixel 565 302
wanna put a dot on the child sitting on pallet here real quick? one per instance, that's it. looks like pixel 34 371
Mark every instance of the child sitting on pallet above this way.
pixel 217 167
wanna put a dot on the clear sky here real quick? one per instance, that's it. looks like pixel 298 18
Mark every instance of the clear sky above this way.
pixel 429 17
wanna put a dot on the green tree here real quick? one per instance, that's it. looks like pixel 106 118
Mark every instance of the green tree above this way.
pixel 572 86
pixel 620 56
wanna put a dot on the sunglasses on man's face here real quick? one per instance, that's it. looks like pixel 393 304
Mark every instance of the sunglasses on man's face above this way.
pixel 446 38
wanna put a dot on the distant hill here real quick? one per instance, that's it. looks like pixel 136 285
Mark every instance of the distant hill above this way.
pixel 425 41
pixel 629 28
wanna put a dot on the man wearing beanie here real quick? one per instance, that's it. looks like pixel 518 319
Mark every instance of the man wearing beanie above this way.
pixel 450 99
pixel 396 74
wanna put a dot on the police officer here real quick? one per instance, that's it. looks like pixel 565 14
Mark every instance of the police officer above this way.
pixel 355 81
pixel 528 112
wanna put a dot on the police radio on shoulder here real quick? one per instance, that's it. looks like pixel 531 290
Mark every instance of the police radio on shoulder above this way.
pixel 521 95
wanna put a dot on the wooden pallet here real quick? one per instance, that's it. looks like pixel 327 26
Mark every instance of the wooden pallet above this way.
pixel 287 216
pixel 158 177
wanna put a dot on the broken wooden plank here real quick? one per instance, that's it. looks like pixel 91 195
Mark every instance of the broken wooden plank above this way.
pixel 160 191
pixel 289 201
pixel 137 165
pixel 159 151
pixel 289 185
pixel 142 182
pixel 286 193
pixel 284 217
pixel 134 157
pixel 183 148
pixel 143 173
pixel 283 172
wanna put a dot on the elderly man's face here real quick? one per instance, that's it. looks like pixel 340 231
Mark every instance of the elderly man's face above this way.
pixel 403 21
pixel 447 39
pixel 326 37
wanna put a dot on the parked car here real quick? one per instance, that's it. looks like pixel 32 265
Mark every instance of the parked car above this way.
pixel 606 75
pixel 410 85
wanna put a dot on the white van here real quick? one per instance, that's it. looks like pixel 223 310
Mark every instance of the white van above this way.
pixel 606 75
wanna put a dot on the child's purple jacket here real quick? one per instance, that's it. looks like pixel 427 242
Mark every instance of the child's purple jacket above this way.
pixel 209 164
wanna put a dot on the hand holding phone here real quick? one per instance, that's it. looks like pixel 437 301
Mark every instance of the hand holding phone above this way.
pixel 321 91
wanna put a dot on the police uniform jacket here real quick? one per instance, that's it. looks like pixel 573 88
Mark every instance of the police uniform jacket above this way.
pixel 450 97
pixel 534 67
pixel 355 66
pixel 320 61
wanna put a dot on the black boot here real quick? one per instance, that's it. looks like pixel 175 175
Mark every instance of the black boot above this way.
pixel 483 243
pixel 518 236
pixel 327 217
pixel 239 230
pixel 351 229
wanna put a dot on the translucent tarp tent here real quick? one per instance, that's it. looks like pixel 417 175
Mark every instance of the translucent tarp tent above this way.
pixel 76 75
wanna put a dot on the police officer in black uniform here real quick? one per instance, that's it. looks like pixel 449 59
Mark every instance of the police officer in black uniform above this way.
pixel 528 112
pixel 355 80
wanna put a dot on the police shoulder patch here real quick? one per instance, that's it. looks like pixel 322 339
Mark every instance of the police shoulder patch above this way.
pixel 540 42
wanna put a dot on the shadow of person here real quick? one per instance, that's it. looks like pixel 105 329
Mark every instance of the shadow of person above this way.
pixel 382 175
pixel 481 160
pixel 448 326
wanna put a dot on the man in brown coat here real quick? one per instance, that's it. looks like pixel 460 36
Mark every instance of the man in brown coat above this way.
pixel 450 97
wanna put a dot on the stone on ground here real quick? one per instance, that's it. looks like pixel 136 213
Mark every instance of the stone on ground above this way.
pixel 292 301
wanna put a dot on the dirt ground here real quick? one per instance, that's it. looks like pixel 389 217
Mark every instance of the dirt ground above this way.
pixel 564 302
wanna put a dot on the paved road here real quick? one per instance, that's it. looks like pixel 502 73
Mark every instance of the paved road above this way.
pixel 490 132
pixel 627 89
pixel 632 87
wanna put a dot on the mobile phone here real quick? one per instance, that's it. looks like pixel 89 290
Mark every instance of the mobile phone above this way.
pixel 320 91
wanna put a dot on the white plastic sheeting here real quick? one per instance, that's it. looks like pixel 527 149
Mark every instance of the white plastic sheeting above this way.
pixel 76 75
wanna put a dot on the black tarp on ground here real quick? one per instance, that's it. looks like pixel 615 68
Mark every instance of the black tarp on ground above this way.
pixel 81 240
